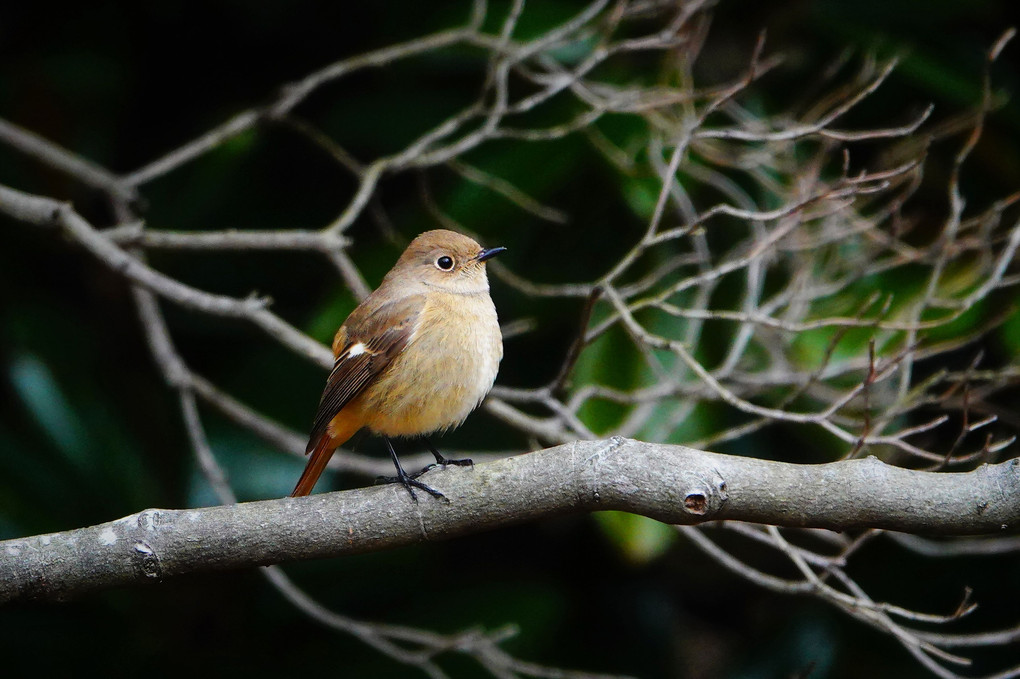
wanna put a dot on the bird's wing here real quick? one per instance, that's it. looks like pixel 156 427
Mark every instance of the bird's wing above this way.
pixel 365 345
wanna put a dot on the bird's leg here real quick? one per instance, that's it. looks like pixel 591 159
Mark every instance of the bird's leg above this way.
pixel 440 460
pixel 409 481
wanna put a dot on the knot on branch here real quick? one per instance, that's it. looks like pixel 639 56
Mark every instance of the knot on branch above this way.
pixel 146 562
pixel 255 303
pixel 703 494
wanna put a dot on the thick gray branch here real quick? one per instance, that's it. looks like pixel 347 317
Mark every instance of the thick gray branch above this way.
pixel 670 483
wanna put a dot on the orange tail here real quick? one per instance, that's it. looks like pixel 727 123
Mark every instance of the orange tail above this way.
pixel 320 455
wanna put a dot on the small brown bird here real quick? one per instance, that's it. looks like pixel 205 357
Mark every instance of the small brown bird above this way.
pixel 415 357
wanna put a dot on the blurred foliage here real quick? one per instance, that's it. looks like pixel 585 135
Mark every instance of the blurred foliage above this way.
pixel 89 432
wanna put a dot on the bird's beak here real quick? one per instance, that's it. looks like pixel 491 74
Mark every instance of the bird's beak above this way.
pixel 488 254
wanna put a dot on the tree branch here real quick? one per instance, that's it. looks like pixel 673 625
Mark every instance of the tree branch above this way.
pixel 669 483
pixel 43 211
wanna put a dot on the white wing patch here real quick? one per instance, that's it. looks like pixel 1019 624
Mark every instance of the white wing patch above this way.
pixel 357 350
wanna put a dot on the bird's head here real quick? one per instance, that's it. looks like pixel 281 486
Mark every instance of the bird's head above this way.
pixel 445 260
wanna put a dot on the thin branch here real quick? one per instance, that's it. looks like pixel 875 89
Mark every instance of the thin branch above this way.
pixel 47 212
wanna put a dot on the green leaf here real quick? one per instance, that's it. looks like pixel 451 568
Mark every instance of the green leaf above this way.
pixel 638 538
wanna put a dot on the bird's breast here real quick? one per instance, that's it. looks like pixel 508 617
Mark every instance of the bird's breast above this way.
pixel 444 372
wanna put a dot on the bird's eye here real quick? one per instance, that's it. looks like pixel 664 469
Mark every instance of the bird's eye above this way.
pixel 444 263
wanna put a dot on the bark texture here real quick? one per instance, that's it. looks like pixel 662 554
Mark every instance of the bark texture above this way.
pixel 670 483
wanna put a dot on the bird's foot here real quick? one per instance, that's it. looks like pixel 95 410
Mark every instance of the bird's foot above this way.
pixel 442 461
pixel 410 482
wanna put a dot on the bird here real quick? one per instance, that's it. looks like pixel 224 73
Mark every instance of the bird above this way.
pixel 414 358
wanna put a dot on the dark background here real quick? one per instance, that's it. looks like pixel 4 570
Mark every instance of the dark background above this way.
pixel 89 432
